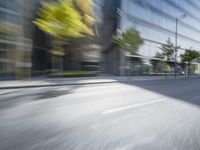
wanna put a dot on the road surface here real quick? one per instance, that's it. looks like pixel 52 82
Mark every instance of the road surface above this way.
pixel 143 115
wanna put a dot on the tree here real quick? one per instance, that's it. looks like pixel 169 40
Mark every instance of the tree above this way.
pixel 189 56
pixel 130 41
pixel 62 21
pixel 167 50
pixel 85 8
pixel 194 68
pixel 158 63
pixel 161 67
pixel 159 55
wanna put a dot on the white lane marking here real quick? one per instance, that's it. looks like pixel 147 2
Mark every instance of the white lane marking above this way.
pixel 131 106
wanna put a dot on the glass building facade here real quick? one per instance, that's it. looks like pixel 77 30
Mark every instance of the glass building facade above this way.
pixel 155 20
pixel 15 48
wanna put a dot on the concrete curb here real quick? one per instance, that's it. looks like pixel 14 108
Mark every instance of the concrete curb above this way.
pixel 48 85
pixel 93 82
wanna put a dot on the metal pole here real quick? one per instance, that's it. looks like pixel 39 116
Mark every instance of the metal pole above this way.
pixel 122 27
pixel 175 52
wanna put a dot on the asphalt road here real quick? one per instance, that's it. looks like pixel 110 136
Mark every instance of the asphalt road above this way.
pixel 144 115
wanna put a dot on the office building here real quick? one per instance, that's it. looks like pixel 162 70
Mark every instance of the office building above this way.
pixel 16 37
pixel 155 20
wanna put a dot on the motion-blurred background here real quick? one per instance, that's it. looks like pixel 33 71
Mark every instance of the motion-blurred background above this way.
pixel 94 37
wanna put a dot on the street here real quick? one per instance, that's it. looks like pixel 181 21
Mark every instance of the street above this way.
pixel 137 115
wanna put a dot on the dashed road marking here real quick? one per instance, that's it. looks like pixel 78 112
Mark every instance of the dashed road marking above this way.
pixel 131 106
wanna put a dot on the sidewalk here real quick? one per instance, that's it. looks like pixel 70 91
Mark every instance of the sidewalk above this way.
pixel 33 83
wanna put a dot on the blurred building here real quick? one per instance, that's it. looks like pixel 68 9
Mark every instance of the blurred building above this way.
pixel 156 21
pixel 11 39
pixel 110 52
pixel 16 40
pixel 25 49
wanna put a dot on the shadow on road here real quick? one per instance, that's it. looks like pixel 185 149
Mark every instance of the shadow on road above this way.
pixel 50 94
pixel 182 89
pixel 13 98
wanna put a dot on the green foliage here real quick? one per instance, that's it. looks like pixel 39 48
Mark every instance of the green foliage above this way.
pixel 85 7
pixel 194 68
pixel 161 67
pixel 61 20
pixel 130 41
pixel 64 20
pixel 158 63
pixel 159 55
pixel 189 56
pixel 58 52
pixel 73 74
pixel 167 50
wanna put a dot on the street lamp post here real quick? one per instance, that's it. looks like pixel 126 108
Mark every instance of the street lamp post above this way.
pixel 121 28
pixel 176 49
pixel 175 58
